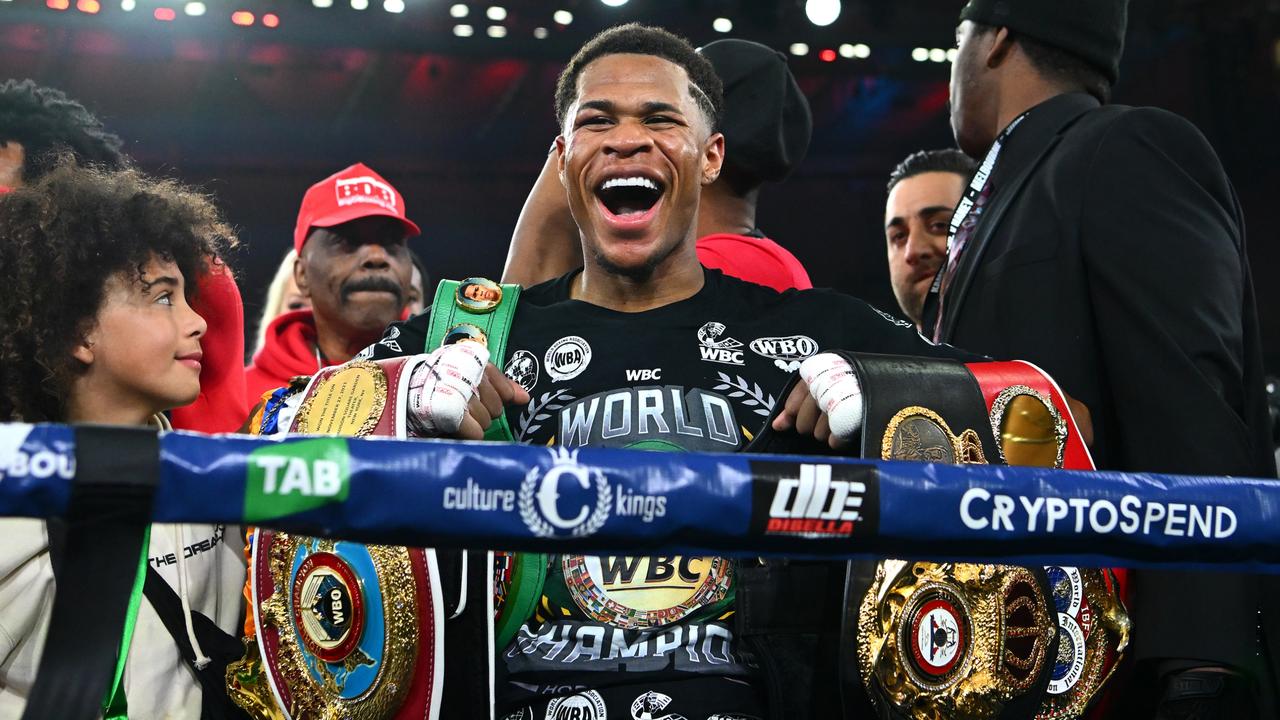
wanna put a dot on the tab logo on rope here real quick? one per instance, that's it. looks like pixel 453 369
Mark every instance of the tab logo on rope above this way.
pixel 296 476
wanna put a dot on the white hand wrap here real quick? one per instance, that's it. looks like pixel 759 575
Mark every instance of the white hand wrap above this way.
pixel 834 384
pixel 440 388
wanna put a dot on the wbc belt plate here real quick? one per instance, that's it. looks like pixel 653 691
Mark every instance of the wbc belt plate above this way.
pixel 348 630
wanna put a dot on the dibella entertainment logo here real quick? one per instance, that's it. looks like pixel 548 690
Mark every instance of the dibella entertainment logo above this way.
pixel 814 500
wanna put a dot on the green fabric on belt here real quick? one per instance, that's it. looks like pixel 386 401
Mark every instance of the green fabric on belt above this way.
pixel 447 313
pixel 114 706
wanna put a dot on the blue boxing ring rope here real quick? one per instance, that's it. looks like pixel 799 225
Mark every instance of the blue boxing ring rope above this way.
pixel 447 494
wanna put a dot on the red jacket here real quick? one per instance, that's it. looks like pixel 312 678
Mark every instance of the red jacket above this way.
pixel 220 407
pixel 289 350
pixel 758 260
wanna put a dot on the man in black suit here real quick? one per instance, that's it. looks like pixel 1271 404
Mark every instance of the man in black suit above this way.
pixel 1105 243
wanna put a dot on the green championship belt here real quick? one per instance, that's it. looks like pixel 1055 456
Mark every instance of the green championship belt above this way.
pixel 480 310
pixel 475 310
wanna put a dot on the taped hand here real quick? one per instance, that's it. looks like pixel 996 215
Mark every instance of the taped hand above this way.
pixel 827 402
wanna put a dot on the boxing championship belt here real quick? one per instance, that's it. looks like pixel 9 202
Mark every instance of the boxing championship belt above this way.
pixel 1033 425
pixel 479 310
pixel 984 641
pixel 346 630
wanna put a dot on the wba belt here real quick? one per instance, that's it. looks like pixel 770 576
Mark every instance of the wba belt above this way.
pixel 457 494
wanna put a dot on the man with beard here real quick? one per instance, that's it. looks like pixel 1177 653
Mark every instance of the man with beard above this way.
pixel 642 347
pixel 1105 244
pixel 354 267
pixel 924 190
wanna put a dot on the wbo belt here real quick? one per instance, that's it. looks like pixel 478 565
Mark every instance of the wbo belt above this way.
pixel 475 310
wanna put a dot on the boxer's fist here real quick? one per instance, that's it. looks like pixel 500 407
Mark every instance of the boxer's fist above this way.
pixel 827 402
pixel 456 392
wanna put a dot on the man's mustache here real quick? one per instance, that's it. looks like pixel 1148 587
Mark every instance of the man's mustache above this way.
pixel 372 283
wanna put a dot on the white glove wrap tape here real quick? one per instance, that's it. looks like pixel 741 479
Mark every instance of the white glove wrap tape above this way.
pixel 441 387
pixel 834 385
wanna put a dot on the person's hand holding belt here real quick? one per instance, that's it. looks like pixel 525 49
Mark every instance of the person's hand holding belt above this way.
pixel 458 393
pixel 827 402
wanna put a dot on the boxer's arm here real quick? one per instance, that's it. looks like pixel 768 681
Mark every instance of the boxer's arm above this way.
pixel 545 243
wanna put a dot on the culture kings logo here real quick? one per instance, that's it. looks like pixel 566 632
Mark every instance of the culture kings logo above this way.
pixel 574 500
pixel 814 500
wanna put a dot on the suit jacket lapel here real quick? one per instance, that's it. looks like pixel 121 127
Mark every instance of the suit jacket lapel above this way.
pixel 1039 134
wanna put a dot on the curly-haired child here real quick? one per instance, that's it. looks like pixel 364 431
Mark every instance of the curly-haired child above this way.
pixel 96 326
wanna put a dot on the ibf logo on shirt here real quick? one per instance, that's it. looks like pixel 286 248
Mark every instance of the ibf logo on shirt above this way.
pixel 814 500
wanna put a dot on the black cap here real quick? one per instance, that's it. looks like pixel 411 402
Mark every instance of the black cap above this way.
pixel 1093 30
pixel 766 121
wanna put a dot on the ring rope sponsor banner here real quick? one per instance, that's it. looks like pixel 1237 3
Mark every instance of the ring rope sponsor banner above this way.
pixel 603 501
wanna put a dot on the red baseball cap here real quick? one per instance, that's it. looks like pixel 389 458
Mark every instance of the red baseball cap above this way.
pixel 347 195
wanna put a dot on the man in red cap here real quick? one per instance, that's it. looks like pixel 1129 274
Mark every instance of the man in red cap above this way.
pixel 354 266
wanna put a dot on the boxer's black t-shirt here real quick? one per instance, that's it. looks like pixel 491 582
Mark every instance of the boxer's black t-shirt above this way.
pixel 615 635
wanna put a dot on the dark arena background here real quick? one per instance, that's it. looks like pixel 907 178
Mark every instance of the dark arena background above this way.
pixel 256 99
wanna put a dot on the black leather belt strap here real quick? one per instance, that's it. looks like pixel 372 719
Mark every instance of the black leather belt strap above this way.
pixel 117 469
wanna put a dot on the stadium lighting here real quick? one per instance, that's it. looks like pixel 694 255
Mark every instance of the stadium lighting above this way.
pixel 938 55
pixel 322 3
pixel 540 33
pixel 194 9
pixel 164 14
pixel 799 49
pixel 822 12
pixel 359 4
pixel 722 25
pixel 614 3
pixel 463 30
pixel 562 17
pixel 920 54
pixel 952 54
pixel 89 7
pixel 458 10
pixel 243 18
pixel 496 13
pixel 271 20
pixel 128 5
pixel 497 31
pixel 862 51
pixel 393 6
pixel 57 4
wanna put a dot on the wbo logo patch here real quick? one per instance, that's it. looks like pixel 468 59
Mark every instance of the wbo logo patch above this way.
pixel 786 352
pixel 293 477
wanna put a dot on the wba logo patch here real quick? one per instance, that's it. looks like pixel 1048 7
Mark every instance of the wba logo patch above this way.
pixel 814 500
